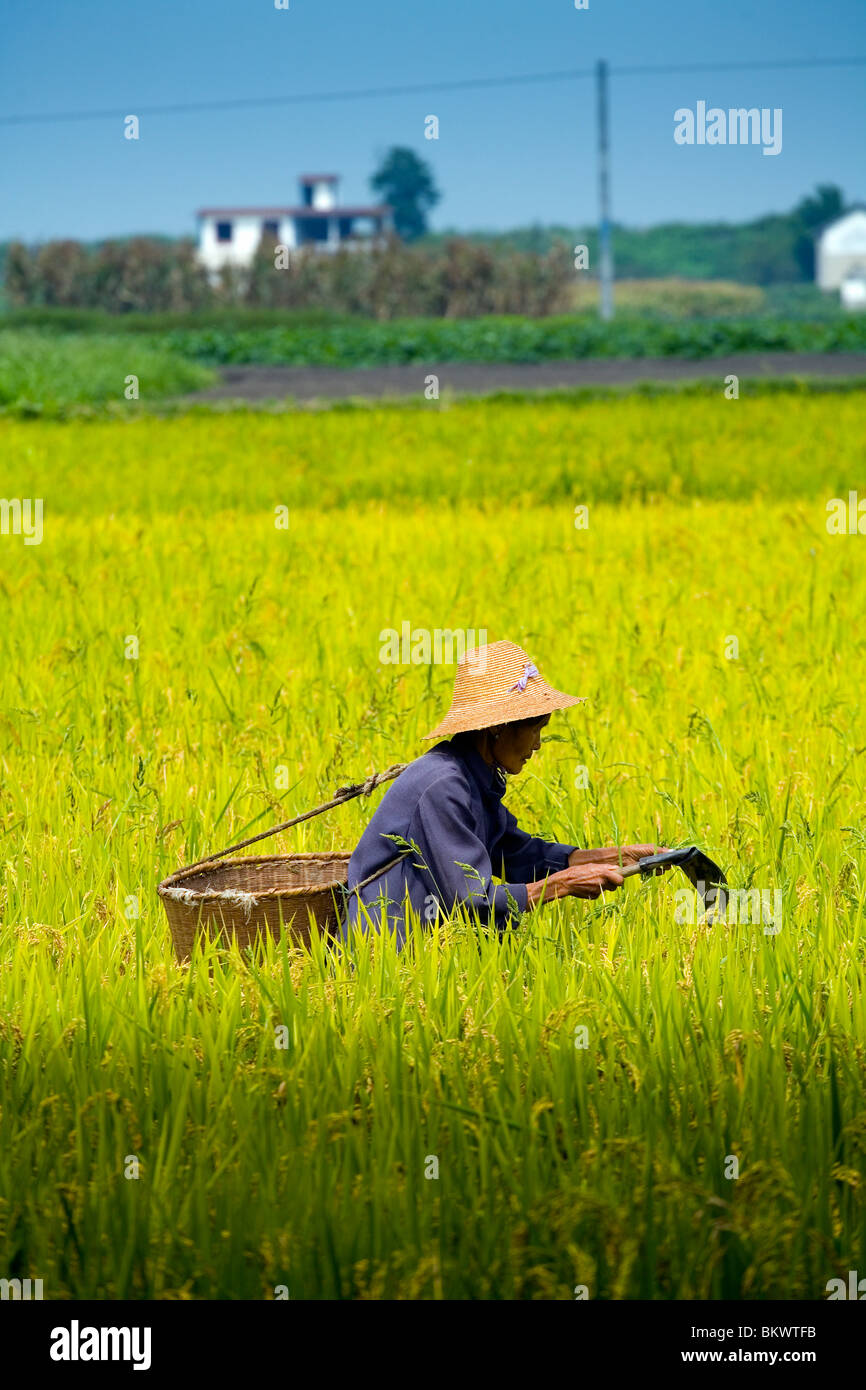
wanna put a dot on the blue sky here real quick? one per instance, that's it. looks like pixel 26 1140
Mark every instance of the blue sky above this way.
pixel 505 157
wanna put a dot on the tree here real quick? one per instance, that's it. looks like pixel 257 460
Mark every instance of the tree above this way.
pixel 811 214
pixel 406 183
pixel 20 281
pixel 823 206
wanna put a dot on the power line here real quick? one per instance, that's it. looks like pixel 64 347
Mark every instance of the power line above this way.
pixel 741 67
pixel 359 94
pixel 460 84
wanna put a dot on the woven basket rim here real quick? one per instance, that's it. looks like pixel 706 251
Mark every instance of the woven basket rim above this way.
pixel 176 879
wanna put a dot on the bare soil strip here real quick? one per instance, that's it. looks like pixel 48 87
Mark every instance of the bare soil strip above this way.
pixel 250 384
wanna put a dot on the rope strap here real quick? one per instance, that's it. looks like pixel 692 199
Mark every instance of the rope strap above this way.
pixel 342 794
pixel 365 788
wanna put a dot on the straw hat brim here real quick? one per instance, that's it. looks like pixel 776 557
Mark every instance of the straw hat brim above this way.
pixel 534 702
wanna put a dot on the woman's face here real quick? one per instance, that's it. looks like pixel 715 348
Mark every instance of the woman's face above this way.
pixel 515 744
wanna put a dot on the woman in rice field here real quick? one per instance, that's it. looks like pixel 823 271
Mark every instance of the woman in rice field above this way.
pixel 447 805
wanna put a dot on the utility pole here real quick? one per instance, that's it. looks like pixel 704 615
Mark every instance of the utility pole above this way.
pixel 605 253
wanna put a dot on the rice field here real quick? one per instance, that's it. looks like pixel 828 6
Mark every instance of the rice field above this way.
pixel 177 671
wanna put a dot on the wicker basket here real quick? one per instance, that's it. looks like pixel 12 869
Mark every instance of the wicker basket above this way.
pixel 242 898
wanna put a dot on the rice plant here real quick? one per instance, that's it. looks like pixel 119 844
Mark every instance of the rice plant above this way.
pixel 471 1118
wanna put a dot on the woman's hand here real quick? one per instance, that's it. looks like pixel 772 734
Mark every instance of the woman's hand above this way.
pixel 617 854
pixel 580 881
pixel 632 853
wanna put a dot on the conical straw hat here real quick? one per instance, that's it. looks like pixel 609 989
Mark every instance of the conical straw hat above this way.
pixel 498 684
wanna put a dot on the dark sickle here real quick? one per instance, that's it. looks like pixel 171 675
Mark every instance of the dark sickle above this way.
pixel 698 868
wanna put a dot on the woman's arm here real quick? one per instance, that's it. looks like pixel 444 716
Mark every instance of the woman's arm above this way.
pixel 612 854
pixel 458 868
pixel 581 881
pixel 455 862
pixel 527 857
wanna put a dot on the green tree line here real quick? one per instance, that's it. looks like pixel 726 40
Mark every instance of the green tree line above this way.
pixel 776 249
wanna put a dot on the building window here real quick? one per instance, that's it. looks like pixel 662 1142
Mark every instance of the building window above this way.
pixel 270 227
pixel 224 231
pixel 312 229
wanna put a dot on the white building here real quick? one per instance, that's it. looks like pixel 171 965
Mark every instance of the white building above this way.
pixel 841 251
pixel 231 235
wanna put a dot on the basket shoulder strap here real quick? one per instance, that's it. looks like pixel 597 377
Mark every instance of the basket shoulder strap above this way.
pixel 342 794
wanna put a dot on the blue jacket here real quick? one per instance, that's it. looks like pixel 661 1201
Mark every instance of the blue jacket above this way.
pixel 449 804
